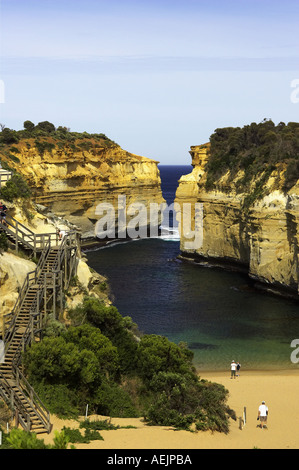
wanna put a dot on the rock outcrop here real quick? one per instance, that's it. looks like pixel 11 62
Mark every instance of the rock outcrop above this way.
pixel 73 182
pixel 13 272
pixel 259 237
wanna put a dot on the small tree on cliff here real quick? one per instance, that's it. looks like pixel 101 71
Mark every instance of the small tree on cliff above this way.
pixel 29 126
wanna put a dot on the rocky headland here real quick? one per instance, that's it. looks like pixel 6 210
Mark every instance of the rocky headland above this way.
pixel 71 173
pixel 250 212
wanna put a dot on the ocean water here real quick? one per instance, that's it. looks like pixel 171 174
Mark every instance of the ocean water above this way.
pixel 217 313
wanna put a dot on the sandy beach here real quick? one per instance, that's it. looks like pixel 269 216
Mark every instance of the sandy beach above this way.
pixel 278 388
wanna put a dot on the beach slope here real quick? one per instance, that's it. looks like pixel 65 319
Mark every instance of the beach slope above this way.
pixel 278 388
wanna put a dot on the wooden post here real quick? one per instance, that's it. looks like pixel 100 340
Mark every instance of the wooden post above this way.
pixel 61 291
pixel 3 328
pixel 54 295
pixel 16 418
pixel 32 327
pixel 45 298
pixel 37 309
pixel 34 245
pixel 17 236
pixel 28 422
pixel 65 266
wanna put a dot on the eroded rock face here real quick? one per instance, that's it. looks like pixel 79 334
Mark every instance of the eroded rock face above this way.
pixel 73 183
pixel 13 272
pixel 261 238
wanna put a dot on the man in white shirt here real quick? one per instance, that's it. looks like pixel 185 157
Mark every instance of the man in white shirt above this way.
pixel 233 368
pixel 263 414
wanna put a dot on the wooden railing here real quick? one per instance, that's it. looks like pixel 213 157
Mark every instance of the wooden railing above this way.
pixel 5 176
pixel 22 235
pixel 43 286
pixel 18 405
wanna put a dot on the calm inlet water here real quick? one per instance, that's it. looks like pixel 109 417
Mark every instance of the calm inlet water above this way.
pixel 217 313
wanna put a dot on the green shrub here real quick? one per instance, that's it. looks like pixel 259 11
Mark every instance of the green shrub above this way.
pixel 75 436
pixel 98 425
pixel 179 400
pixel 158 354
pixel 19 439
pixel 118 329
pixel 3 242
pixel 9 136
pixel 44 146
pixel 59 398
pixel 15 188
pixel 29 126
pixel 111 400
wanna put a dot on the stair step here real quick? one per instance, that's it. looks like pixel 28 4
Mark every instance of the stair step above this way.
pixel 19 327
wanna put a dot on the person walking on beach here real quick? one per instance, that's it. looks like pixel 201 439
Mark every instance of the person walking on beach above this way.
pixel 233 368
pixel 263 415
pixel 238 369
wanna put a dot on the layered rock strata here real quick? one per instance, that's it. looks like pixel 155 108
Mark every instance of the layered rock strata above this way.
pixel 73 183
pixel 261 239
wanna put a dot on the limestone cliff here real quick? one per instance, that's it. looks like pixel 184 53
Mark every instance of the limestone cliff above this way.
pixel 71 180
pixel 258 235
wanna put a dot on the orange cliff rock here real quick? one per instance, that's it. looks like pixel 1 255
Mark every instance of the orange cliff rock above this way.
pixel 261 239
pixel 71 183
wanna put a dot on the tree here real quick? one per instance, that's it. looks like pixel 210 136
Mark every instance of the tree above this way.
pixel 158 354
pixel 46 126
pixel 111 323
pixel 29 126
pixel 15 188
pixel 80 356
pixel 9 136
pixel 180 400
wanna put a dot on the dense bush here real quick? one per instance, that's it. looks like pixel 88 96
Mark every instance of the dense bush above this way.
pixel 15 188
pixel 120 330
pixel 3 242
pixel 9 136
pixel 75 435
pixel 44 146
pixel 85 365
pixel 19 439
pixel 79 367
pixel 180 400
pixel 256 149
pixel 157 354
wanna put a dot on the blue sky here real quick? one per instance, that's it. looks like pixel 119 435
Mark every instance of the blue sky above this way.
pixel 154 76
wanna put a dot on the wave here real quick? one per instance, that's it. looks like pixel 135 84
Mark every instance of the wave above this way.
pixel 169 234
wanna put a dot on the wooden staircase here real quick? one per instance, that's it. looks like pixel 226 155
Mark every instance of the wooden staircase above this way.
pixel 22 237
pixel 39 295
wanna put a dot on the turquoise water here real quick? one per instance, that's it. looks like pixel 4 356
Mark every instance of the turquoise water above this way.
pixel 217 313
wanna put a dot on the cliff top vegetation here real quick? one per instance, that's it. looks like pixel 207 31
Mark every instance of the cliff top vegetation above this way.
pixel 255 149
pixel 46 137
